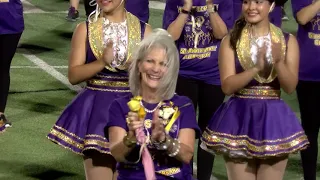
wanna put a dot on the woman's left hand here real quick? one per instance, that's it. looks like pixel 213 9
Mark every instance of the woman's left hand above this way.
pixel 157 132
pixel 209 2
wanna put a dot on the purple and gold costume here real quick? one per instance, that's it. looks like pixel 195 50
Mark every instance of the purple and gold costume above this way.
pixel 255 122
pixel 81 125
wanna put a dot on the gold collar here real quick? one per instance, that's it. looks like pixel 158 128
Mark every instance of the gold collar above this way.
pixel 243 51
pixel 95 36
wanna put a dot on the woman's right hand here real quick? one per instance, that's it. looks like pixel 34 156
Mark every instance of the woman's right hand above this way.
pixel 261 58
pixel 108 55
pixel 187 5
pixel 133 122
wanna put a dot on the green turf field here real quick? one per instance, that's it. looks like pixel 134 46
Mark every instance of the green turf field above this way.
pixel 36 99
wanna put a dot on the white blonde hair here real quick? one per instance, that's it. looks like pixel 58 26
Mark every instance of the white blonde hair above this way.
pixel 159 38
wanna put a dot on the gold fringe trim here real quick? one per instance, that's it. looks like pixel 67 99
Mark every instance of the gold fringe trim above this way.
pixel 208 133
pixel 233 145
pixel 108 90
pixel 112 77
pixel 169 171
pixel 217 149
pixel 259 92
pixel 81 146
pixel 99 82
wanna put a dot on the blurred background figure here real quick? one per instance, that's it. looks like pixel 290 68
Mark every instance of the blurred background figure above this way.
pixel 11 28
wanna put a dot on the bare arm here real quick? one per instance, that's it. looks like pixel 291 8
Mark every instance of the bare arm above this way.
pixel 230 81
pixel 307 13
pixel 288 69
pixel 148 30
pixel 219 27
pixel 78 71
pixel 176 27
pixel 187 140
pixel 118 149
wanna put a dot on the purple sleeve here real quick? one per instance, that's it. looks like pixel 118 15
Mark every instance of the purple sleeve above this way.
pixel 116 116
pixel 170 13
pixel 297 5
pixel 188 117
pixel 225 11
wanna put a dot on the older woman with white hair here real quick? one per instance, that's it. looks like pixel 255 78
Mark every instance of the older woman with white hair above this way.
pixel 152 131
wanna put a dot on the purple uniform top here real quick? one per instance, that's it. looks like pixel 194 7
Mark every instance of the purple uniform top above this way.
pixel 275 16
pixel 197 47
pixel 139 8
pixel 309 42
pixel 165 166
pixel 11 17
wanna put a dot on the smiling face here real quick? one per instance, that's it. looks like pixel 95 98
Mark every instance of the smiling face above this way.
pixel 108 6
pixel 152 68
pixel 255 11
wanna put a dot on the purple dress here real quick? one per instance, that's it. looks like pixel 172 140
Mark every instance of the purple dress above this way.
pixel 197 46
pixel 11 17
pixel 308 38
pixel 275 16
pixel 254 122
pixel 166 167
pixel 81 125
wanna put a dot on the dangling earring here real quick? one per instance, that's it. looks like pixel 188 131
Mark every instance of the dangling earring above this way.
pixel 271 7
pixel 96 14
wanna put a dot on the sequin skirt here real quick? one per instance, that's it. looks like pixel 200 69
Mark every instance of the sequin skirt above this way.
pixel 81 125
pixel 254 124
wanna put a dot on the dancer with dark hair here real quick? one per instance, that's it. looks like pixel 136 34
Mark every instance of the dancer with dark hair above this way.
pixel 255 130
pixel 275 15
pixel 100 55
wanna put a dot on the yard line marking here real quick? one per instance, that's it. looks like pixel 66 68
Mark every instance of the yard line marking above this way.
pixel 52 71
pixel 30 8
pixel 37 67
pixel 157 5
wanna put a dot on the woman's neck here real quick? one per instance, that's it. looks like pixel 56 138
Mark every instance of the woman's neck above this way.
pixel 261 29
pixel 117 16
pixel 150 96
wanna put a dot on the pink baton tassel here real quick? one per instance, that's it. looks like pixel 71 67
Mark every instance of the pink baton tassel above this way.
pixel 145 154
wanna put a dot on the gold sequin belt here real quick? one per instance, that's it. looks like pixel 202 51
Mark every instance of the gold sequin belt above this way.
pixel 109 83
pixel 259 92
